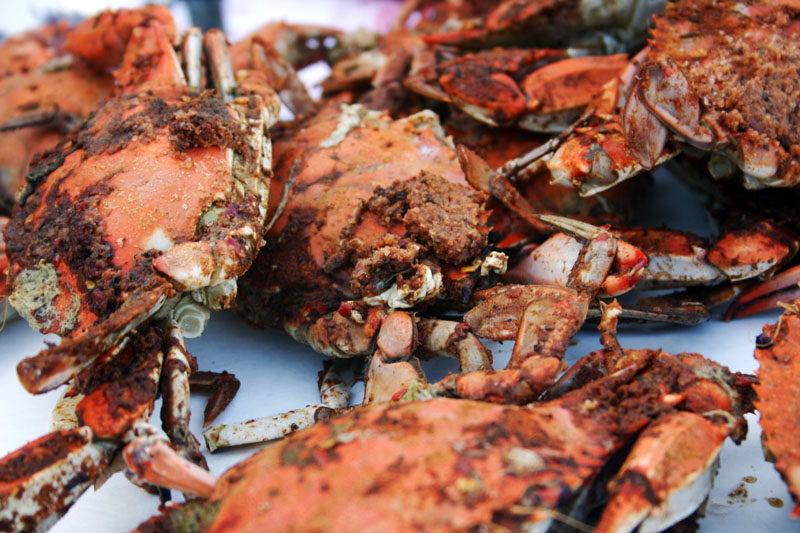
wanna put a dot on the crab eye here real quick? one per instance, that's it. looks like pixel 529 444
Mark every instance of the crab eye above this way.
pixel 764 341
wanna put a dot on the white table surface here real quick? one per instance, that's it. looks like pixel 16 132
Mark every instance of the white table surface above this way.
pixel 278 374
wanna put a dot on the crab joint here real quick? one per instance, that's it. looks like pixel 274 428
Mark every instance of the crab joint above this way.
pixel 151 459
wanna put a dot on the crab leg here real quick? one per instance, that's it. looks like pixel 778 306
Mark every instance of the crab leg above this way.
pixel 191 53
pixel 151 460
pixel 97 416
pixel 453 339
pixel 391 370
pixel 335 388
pixel 542 318
pixel 175 412
pixel 767 295
pixel 221 388
pixel 282 76
pixel 54 366
pixel 666 475
pixel 42 479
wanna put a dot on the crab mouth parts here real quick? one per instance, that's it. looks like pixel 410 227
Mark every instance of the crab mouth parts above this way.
pixel 404 296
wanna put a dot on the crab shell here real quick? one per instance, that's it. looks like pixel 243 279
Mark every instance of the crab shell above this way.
pixel 51 78
pixel 731 87
pixel 26 52
pixel 541 90
pixel 556 23
pixel 163 190
pixel 338 163
pixel 453 465
pixel 779 396
pixel 60 98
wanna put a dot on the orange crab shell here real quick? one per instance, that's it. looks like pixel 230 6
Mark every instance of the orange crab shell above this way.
pixel 337 161
pixel 138 177
pixel 779 397
pixel 26 52
pixel 102 40
pixel 452 465
pixel 69 94
pixel 428 458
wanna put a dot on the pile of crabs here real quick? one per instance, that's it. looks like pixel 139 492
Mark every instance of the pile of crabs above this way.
pixel 469 175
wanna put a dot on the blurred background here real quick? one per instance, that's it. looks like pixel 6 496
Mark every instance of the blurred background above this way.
pixel 235 17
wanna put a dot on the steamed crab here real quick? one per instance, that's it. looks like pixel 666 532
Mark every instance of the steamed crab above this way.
pixel 452 464
pixel 332 287
pixel 146 214
pixel 54 77
pixel 540 90
pixel 495 85
pixel 370 250
pixel 668 95
pixel 614 27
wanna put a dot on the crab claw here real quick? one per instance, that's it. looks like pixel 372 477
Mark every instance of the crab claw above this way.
pixel 152 460
pixel 645 135
pixel 767 295
pixel 553 261
pixel 43 478
pixel 666 476
pixel 752 251
pixel 665 91
pixel 221 388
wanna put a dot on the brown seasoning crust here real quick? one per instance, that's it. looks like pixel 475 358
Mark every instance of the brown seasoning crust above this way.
pixel 198 121
pixel 120 389
pixel 73 231
pixel 38 454
pixel 443 222
pixel 747 69
pixel 444 216
pixel 449 465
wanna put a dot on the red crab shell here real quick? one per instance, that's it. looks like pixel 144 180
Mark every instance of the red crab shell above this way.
pixel 60 72
pixel 119 187
pixel 453 465
pixel 336 162
pixel 159 192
